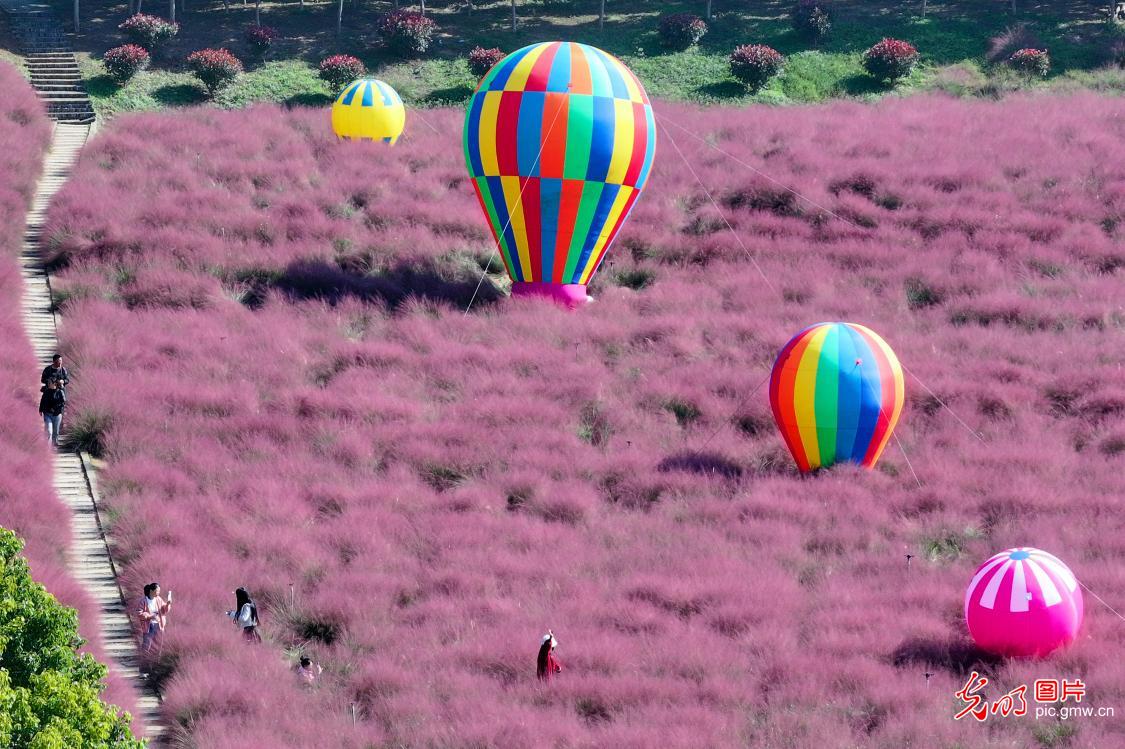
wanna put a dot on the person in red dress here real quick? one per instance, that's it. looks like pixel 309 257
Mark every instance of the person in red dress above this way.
pixel 547 665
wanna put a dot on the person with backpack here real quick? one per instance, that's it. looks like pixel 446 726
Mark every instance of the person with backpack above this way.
pixel 245 615
pixel 55 371
pixel 546 665
pixel 51 405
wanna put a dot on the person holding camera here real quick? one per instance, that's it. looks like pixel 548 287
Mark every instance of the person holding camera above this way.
pixel 153 614
pixel 245 615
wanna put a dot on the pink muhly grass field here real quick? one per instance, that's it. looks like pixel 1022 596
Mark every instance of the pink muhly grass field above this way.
pixel 268 325
pixel 28 503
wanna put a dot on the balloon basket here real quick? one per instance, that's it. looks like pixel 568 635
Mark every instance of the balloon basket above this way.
pixel 573 295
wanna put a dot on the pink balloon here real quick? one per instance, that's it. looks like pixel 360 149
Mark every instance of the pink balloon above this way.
pixel 1022 602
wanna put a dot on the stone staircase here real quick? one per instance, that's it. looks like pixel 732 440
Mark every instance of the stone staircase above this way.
pixel 74 475
pixel 50 60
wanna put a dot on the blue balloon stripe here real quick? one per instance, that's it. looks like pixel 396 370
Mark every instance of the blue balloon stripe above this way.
pixel 349 93
pixel 650 148
pixel 559 79
pixel 848 394
pixel 601 144
pixel 870 396
pixel 550 204
pixel 616 83
pixel 367 98
pixel 529 135
pixel 506 66
pixel 472 136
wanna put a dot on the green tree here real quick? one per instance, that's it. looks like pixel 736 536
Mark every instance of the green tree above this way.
pixel 49 693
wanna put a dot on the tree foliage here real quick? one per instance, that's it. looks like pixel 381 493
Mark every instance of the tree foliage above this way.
pixel 48 691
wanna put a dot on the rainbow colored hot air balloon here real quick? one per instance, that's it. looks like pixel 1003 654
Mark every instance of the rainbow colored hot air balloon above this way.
pixel 837 391
pixel 368 109
pixel 559 140
pixel 1023 602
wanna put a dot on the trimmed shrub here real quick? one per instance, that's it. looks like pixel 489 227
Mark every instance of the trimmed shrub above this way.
pixel 149 31
pixel 890 59
pixel 124 62
pixel 755 64
pixel 259 38
pixel 340 70
pixel 407 33
pixel 1031 61
pixel 481 60
pixel 215 68
pixel 681 30
pixel 812 18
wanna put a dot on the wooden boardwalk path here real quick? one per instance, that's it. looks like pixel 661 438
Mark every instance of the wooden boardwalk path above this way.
pixel 75 477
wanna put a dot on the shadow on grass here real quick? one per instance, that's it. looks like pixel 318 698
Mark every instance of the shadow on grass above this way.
pixel 702 463
pixel 101 86
pixel 861 84
pixel 309 99
pixel 959 657
pixel 451 95
pixel 179 95
pixel 326 282
pixel 722 90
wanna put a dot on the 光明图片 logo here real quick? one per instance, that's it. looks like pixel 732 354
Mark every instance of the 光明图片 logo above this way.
pixel 1050 695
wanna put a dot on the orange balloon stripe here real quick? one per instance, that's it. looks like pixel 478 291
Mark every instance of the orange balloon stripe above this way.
pixel 552 158
pixel 788 404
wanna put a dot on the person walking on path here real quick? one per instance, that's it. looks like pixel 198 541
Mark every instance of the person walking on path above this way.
pixel 546 666
pixel 51 406
pixel 55 371
pixel 245 615
pixel 153 613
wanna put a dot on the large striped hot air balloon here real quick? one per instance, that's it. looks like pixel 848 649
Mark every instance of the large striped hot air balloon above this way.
pixel 368 109
pixel 837 391
pixel 559 140
pixel 1023 602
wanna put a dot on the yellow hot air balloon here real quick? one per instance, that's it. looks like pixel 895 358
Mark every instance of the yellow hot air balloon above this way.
pixel 368 109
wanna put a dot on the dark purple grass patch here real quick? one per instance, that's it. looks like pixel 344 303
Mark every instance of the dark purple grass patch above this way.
pixel 270 323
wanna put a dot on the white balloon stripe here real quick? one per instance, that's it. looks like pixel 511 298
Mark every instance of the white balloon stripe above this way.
pixel 1017 601
pixel 1047 586
pixel 988 600
pixel 990 564
pixel 1055 565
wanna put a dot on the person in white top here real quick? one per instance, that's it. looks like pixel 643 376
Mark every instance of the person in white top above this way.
pixel 153 613
pixel 245 615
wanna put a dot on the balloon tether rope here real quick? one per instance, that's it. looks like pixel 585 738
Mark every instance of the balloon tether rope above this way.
pixel 1101 600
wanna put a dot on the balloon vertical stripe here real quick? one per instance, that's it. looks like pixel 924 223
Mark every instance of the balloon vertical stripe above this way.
pixel 570 135
pixel 836 392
